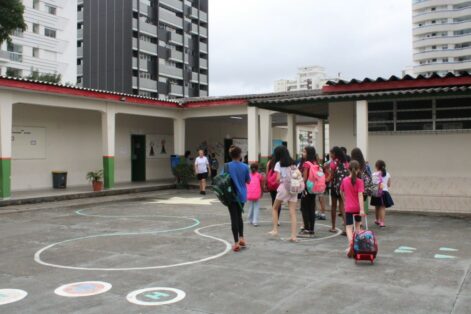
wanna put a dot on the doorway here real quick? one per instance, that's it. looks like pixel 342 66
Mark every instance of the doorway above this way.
pixel 138 158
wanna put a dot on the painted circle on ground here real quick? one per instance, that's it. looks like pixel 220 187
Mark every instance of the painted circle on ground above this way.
pixel 156 296
pixel 37 255
pixel 83 289
pixel 11 295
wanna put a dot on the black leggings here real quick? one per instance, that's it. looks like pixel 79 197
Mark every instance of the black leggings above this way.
pixel 308 209
pixel 273 197
pixel 236 221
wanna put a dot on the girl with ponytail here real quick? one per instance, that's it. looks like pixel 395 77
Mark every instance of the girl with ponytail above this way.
pixel 352 189
pixel 385 200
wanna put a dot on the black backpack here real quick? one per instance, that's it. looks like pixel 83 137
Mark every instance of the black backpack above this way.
pixel 224 188
pixel 340 173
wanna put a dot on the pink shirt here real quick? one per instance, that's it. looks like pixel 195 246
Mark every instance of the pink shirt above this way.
pixel 352 204
pixel 254 188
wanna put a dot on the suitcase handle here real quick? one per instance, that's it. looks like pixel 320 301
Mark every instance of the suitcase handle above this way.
pixel 366 221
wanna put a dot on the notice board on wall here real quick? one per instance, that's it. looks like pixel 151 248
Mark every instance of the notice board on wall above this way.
pixel 159 146
pixel 28 142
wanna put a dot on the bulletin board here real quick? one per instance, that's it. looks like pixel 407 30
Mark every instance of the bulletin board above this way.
pixel 28 142
pixel 159 146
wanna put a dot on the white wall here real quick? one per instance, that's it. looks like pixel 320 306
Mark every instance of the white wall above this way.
pixel 73 144
pixel 127 125
pixel 342 125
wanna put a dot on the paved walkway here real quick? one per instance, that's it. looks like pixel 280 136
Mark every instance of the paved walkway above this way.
pixel 180 240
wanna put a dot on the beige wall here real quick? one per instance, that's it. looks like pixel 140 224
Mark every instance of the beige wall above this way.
pixel 127 125
pixel 342 125
pixel 73 144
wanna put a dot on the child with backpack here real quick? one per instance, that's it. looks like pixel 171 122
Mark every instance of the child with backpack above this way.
pixel 239 173
pixel 291 184
pixel 254 194
pixel 381 199
pixel 338 168
pixel 352 189
pixel 271 182
pixel 314 179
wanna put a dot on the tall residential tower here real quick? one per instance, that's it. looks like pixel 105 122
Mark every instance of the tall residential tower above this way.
pixel 155 48
pixel 48 46
pixel 441 36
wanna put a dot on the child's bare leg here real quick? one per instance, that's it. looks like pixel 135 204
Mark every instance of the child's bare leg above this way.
pixel 333 212
pixel 292 216
pixel 276 205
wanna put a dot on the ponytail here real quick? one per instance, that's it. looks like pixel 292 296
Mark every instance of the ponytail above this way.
pixel 354 177
pixel 383 171
pixel 354 167
pixel 381 166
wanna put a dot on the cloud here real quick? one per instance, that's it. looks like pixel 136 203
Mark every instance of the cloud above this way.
pixel 252 43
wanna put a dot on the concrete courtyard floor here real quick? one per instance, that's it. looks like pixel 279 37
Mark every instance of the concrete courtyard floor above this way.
pixel 174 239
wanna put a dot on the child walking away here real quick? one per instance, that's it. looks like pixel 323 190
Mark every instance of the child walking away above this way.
pixel 239 175
pixel 381 199
pixel 254 193
pixel 272 183
pixel 201 170
pixel 291 184
pixel 352 189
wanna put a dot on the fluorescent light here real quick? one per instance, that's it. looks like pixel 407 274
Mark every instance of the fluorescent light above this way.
pixel 236 118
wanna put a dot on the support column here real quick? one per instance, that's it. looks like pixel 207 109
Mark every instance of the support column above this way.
pixel 252 133
pixel 179 136
pixel 362 126
pixel 108 122
pixel 320 139
pixel 291 138
pixel 265 135
pixel 6 116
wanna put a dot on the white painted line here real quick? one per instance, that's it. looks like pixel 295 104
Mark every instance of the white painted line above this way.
pixel 156 293
pixel 407 248
pixel 399 251
pixel 37 255
pixel 447 249
pixel 83 289
pixel 11 295
pixel 440 256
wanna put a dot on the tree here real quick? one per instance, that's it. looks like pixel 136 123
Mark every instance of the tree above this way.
pixel 11 18
pixel 46 77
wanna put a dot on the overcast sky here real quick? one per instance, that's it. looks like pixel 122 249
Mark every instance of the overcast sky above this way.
pixel 252 43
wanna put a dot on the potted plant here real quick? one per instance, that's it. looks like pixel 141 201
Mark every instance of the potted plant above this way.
pixel 95 177
pixel 183 173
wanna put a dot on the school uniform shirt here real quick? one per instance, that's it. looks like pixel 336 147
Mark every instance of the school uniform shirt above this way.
pixel 352 204
pixel 201 164
pixel 240 176
pixel 386 179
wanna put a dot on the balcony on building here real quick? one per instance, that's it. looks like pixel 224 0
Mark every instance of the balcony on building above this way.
pixel 143 7
pixel 145 27
pixel 4 56
pixel 79 52
pixel 176 90
pixel 174 4
pixel 145 46
pixel 79 70
pixel 80 16
pixel 204 47
pixel 203 79
pixel 203 31
pixel 166 16
pixel 80 33
pixel 176 55
pixel 176 38
pixel 194 77
pixel 143 64
pixel 144 83
pixel 170 71
pixel 203 63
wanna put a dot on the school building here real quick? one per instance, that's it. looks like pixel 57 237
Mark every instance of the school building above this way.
pixel 420 126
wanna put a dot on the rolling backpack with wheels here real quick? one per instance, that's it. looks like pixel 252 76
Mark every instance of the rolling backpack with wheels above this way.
pixel 365 243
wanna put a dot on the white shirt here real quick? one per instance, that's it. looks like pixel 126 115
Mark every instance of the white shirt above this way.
pixel 385 182
pixel 281 170
pixel 201 164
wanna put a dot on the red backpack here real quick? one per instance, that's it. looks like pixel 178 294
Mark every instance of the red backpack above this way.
pixel 272 183
pixel 316 180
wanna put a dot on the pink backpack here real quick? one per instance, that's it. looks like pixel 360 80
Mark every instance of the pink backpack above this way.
pixel 254 188
pixel 272 184
pixel 315 183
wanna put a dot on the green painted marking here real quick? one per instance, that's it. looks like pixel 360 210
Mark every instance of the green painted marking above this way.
pixel 157 295
pixel 5 181
pixel 447 249
pixel 403 251
pixel 408 248
pixel 440 256
pixel 108 172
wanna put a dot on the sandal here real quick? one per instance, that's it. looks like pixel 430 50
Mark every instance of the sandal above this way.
pixel 344 233
pixel 273 233
pixel 295 240
pixel 236 247
pixel 242 243
pixel 333 230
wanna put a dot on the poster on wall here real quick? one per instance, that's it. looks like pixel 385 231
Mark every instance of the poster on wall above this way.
pixel 243 144
pixel 159 146
pixel 28 142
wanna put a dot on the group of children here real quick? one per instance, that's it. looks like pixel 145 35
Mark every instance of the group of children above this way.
pixel 349 182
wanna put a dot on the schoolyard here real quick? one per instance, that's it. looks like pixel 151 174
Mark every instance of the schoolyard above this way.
pixel 169 252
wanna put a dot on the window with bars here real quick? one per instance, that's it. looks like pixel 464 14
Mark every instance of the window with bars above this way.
pixel 420 115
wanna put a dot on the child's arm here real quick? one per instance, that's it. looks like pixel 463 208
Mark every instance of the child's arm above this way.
pixel 361 202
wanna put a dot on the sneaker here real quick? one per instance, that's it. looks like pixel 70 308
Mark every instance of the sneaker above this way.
pixel 255 225
pixel 322 217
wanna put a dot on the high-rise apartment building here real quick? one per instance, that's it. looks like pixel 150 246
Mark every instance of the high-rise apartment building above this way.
pixel 310 77
pixel 48 46
pixel 155 48
pixel 441 36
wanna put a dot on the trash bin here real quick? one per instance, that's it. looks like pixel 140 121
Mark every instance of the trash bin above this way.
pixel 59 179
pixel 174 161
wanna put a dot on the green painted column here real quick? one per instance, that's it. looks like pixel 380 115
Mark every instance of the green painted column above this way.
pixel 5 173
pixel 108 171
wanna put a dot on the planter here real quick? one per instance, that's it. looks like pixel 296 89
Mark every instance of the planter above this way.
pixel 97 186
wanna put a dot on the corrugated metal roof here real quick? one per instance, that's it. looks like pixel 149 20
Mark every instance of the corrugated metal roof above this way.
pixel 363 95
pixel 396 78
pixel 173 101
pixel 303 93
